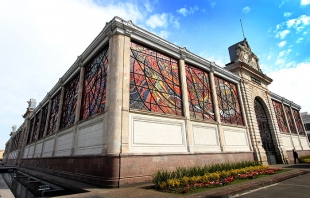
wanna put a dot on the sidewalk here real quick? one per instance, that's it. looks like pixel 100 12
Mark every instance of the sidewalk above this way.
pixel 146 190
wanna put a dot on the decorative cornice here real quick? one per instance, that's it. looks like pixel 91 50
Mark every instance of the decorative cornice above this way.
pixel 284 101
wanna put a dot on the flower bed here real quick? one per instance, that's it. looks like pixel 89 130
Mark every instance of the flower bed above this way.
pixel 185 184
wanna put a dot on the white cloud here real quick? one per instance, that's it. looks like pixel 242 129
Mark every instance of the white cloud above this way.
pixel 189 11
pixel 219 60
pixel 148 6
pixel 246 9
pixel 299 23
pixel 287 14
pixel 158 20
pixel 162 21
pixel 304 2
pixel 212 4
pixel 282 44
pixel 164 34
pixel 282 34
pixel 40 40
pixel 183 11
pixel 298 78
pixel 282 53
pixel 299 40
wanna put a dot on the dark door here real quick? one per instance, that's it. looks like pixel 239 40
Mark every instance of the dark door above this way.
pixel 264 131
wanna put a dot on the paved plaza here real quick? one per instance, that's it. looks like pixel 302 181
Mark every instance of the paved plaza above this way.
pixel 293 183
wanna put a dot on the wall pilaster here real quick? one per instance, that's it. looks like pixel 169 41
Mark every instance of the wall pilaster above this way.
pixel 216 111
pixel 188 125
pixel 117 88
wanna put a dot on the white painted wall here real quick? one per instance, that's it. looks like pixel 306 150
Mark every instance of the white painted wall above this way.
pixel 38 149
pixel 149 134
pixel 286 140
pixel 205 137
pixel 296 142
pixel 48 146
pixel 90 137
pixel 235 139
pixel 64 143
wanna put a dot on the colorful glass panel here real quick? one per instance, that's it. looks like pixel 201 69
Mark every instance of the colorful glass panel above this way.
pixel 43 121
pixel 298 122
pixel 95 80
pixel 53 114
pixel 70 101
pixel 280 116
pixel 199 93
pixel 30 131
pixel 290 119
pixel 154 81
pixel 36 127
pixel 228 101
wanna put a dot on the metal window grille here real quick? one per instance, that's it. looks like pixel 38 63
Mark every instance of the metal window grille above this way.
pixel 43 121
pixel 70 101
pixel 300 128
pixel 95 84
pixel 154 81
pixel 290 119
pixel 280 116
pixel 199 94
pixel 228 101
pixel 36 127
pixel 30 130
pixel 54 114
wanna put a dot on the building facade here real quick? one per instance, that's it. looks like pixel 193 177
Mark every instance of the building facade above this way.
pixel 134 103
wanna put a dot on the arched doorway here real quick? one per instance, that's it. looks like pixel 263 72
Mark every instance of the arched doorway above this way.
pixel 264 130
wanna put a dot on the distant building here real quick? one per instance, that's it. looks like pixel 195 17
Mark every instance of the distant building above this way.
pixel 306 119
pixel 134 103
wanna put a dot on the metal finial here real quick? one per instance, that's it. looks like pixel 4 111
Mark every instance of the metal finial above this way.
pixel 242 29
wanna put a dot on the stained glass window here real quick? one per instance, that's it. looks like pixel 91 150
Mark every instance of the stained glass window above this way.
pixel 43 121
pixel 280 116
pixel 298 122
pixel 30 131
pixel 199 93
pixel 36 127
pixel 53 114
pixel 228 101
pixel 154 81
pixel 69 103
pixel 95 83
pixel 290 119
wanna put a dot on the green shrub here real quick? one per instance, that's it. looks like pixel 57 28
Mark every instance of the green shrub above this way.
pixel 197 174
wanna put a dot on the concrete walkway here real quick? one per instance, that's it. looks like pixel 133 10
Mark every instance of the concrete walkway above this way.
pixel 146 190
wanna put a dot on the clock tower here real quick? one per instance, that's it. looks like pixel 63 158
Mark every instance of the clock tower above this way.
pixel 260 115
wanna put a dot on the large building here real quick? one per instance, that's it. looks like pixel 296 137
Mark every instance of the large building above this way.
pixel 134 103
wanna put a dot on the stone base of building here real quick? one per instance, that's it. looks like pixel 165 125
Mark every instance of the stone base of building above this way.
pixel 125 169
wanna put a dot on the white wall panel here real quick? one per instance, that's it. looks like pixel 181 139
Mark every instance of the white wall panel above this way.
pixel 48 147
pixel 26 152
pixel 286 140
pixel 31 151
pixel 235 139
pixel 90 138
pixel 304 143
pixel 296 142
pixel 38 149
pixel 205 137
pixel 156 134
pixel 64 143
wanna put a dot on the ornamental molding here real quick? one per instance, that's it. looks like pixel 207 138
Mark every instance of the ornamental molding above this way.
pixel 284 101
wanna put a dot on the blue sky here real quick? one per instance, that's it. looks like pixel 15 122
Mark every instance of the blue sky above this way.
pixel 40 40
